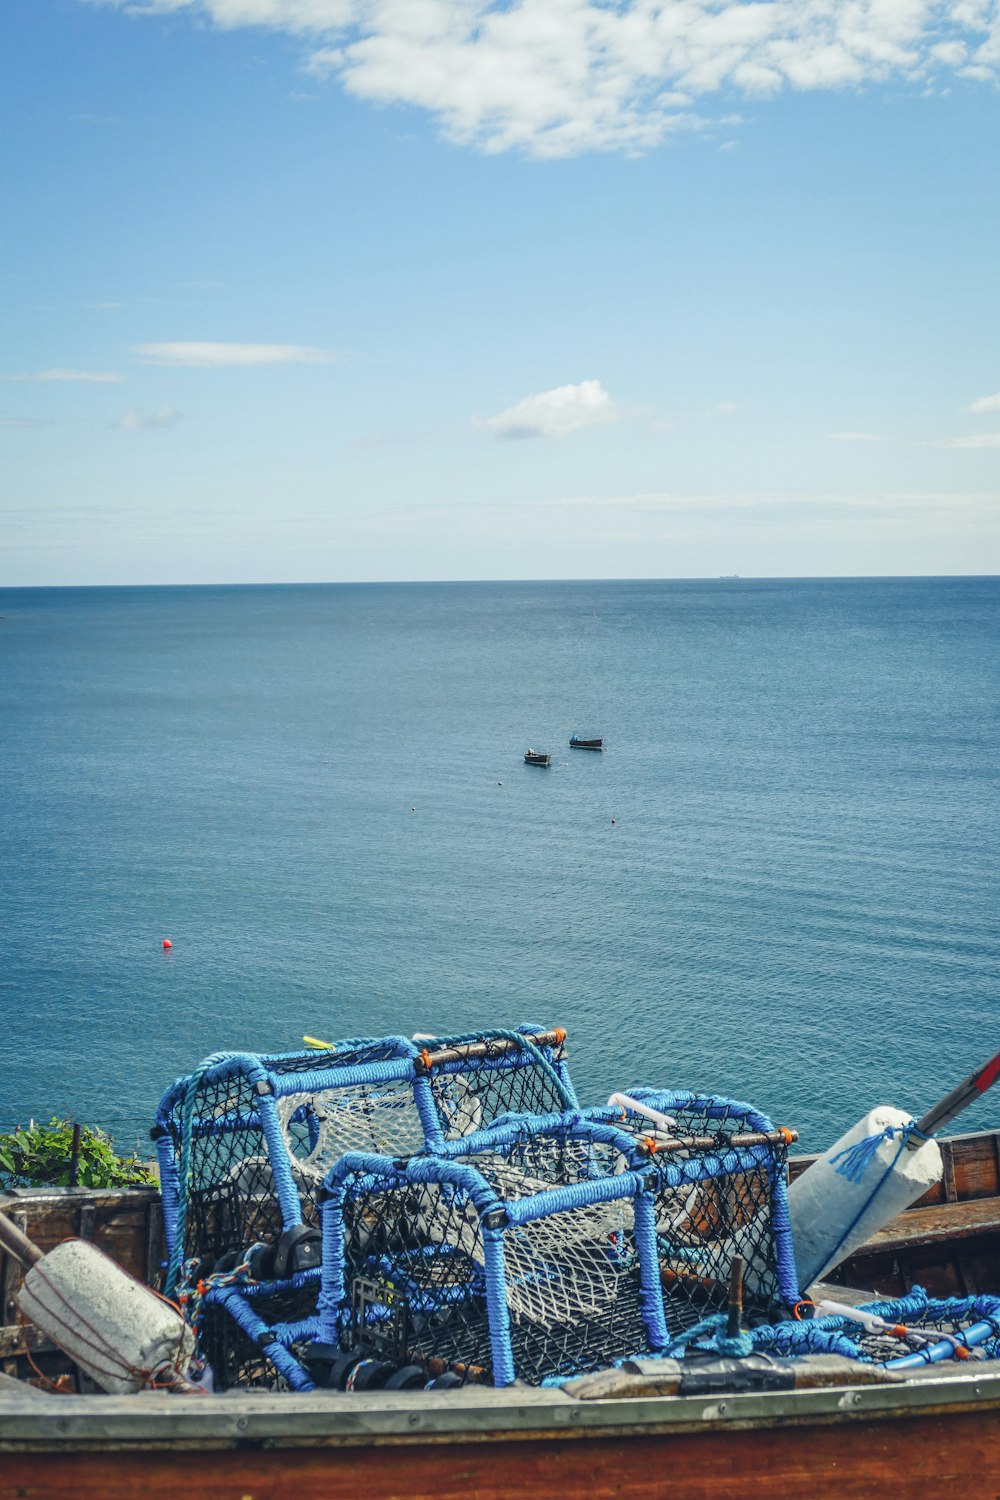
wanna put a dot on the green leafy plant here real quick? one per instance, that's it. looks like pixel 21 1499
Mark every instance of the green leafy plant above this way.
pixel 41 1156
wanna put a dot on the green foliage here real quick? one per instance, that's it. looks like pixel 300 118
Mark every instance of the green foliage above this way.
pixel 40 1156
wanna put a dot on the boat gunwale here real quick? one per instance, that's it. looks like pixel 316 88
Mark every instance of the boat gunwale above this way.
pixel 287 1420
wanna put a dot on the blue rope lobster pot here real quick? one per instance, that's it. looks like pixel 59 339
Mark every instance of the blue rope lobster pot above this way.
pixel 521 1252
pixel 244 1142
pixel 722 1192
pixel 542 1246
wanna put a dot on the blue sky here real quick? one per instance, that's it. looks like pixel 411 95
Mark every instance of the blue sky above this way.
pixel 390 289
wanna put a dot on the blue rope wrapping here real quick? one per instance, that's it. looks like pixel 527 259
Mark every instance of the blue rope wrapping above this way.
pixel 183 1187
pixel 284 1183
pixel 708 1334
pixel 242 1313
pixel 169 1190
pixel 715 1106
pixel 427 1109
pixel 504 1372
pixel 332 1292
pixel 838 1335
pixel 781 1233
pixel 337 1076
pixel 650 1287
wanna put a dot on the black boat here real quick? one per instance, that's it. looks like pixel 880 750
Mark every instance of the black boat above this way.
pixel 536 758
pixel 576 743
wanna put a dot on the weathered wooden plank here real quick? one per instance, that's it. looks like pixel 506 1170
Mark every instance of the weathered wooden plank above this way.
pixel 933 1226
pixel 15 1338
pixel 959 1453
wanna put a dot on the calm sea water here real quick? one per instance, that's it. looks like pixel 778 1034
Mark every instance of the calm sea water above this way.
pixel 778 881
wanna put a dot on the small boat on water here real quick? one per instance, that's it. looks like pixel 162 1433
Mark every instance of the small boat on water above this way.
pixel 576 742
pixel 536 758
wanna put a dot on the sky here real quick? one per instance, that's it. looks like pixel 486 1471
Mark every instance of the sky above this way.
pixel 346 290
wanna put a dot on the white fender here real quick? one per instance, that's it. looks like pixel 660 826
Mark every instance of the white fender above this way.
pixel 832 1215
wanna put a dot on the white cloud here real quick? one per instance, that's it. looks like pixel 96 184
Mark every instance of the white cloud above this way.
pixel 555 414
pixel 857 437
pixel 135 420
pixel 971 440
pixel 19 422
pixel 986 403
pixel 557 77
pixel 207 356
pixel 88 377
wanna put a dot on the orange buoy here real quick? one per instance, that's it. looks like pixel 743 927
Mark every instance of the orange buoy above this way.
pixel 167 943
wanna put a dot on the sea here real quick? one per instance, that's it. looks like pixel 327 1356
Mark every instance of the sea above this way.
pixel 776 882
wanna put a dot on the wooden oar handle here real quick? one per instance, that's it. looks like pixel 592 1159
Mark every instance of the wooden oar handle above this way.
pixel 960 1098
pixel 16 1243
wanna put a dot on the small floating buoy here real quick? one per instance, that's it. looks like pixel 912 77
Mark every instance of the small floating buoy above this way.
pixel 499 783
pixel 413 809
pixel 613 821
pixel 167 943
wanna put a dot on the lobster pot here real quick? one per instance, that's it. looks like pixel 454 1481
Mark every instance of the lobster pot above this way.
pixel 245 1141
pixel 531 1255
pixel 917 1330
pixel 254 1336
pixel 715 1198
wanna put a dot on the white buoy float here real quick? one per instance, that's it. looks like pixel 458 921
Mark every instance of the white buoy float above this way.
pixel 122 1334
pixel 833 1211
pixel 883 1164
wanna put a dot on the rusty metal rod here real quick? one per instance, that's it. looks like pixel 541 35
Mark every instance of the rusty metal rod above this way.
pixel 733 1142
pixel 734 1318
pixel 466 1051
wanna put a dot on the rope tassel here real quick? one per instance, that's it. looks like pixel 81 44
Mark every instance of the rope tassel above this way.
pixel 855 1159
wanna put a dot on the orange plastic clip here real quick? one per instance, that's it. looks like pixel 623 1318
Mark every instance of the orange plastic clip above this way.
pixel 559 1035
pixel 788 1134
pixel 425 1058
pixel 805 1302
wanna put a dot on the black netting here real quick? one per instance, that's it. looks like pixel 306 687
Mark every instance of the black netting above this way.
pixel 471 1096
pixel 700 1228
pixel 416 1277
pixel 238 1358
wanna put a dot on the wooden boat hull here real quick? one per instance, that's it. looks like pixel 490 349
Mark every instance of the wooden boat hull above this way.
pixel 586 744
pixel 835 1444
pixel 938 1430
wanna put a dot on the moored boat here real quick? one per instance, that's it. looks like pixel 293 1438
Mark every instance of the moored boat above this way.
pixel 846 1432
pixel 576 742
pixel 536 757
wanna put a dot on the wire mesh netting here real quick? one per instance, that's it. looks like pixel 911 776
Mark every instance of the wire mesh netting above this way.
pixel 254 1337
pixel 246 1141
pixel 490 1262
pixel 715 1200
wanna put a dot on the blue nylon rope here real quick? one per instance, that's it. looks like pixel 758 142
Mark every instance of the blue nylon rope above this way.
pixel 184 1172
